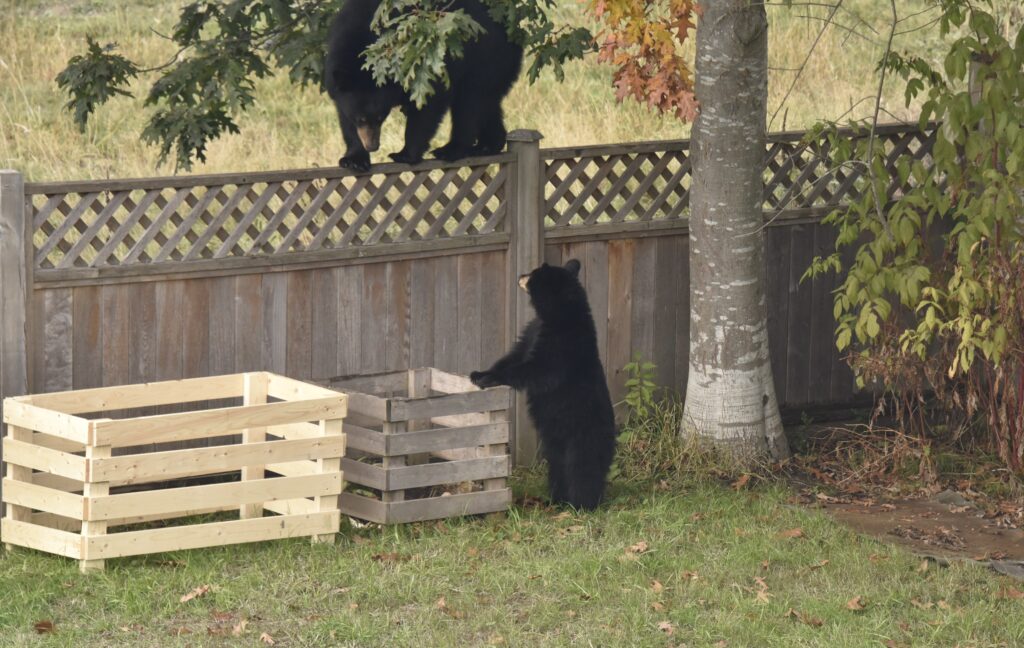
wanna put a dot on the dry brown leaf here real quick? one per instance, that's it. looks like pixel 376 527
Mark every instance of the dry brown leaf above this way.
pixel 472 552
pixel 792 533
pixel 696 517
pixel 740 533
pixel 856 604
pixel 820 564
pixel 638 548
pixel 239 628
pixel 942 605
pixel 689 575
pixel 442 605
pixel 564 515
pixel 813 622
pixel 571 614
pixel 202 590
pixel 741 482
pixel 877 558
pixel 267 639
pixel 657 607
pixel 353 606
pixel 657 587
pixel 920 605
pixel 666 627
pixel 43 627
pixel 389 557
pixel 1010 593
pixel 181 630
pixel 923 567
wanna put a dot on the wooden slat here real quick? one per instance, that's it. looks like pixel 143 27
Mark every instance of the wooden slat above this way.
pixel 450 383
pixel 168 392
pixel 486 400
pixel 194 425
pixel 21 453
pixel 300 506
pixel 365 440
pixel 290 389
pixel 26 534
pixel 164 501
pixel 445 438
pixel 468 351
pixel 24 414
pixel 173 464
pixel 620 299
pixel 214 534
pixel 448 472
pixel 448 506
pixel 36 497
pixel 364 508
pixel 364 474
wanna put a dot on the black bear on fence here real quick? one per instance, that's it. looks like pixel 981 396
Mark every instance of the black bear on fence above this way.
pixel 479 80
pixel 556 362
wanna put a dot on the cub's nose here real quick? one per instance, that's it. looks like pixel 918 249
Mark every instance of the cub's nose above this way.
pixel 523 280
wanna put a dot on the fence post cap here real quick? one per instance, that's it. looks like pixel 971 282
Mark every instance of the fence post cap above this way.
pixel 524 135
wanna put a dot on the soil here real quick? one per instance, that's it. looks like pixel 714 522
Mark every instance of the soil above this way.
pixel 944 527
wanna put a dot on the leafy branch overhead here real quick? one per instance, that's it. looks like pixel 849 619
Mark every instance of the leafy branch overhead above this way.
pixel 643 41
pixel 225 46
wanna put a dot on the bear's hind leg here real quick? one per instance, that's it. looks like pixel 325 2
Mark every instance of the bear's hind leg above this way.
pixel 466 119
pixel 491 140
pixel 420 126
pixel 585 480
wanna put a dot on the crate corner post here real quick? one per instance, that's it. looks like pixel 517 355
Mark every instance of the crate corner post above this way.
pixel 255 388
pixel 92 529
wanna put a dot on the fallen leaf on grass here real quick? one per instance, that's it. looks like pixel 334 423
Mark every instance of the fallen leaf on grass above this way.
pixel 942 605
pixel 792 533
pixel 892 643
pixel 43 627
pixel 657 587
pixel 696 517
pixel 764 565
pixel 564 515
pixel 267 639
pixel 1010 593
pixel 239 628
pixel 638 548
pixel 666 627
pixel 657 607
pixel 571 614
pixel 856 604
pixel 353 606
pixel 179 631
pixel 202 590
pixel 921 605
pixel 389 557
pixel 805 619
pixel 472 552
pixel 819 565
pixel 923 567
pixel 877 558
pixel 741 482
pixel 689 575
pixel 443 606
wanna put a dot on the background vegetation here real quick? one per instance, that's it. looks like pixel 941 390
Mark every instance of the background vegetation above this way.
pixel 291 127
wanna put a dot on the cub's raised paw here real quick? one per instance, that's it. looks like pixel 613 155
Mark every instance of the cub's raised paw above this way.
pixel 483 380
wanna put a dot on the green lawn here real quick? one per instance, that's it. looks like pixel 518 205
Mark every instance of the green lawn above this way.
pixel 690 563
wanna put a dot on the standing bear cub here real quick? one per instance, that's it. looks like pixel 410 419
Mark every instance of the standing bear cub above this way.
pixel 556 362
pixel 479 80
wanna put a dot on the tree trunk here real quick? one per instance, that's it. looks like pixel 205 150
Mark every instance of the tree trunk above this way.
pixel 730 397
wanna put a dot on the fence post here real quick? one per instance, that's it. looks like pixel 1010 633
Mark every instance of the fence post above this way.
pixel 13 291
pixel 525 225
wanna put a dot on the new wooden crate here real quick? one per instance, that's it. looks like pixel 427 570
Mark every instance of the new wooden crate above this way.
pixel 66 491
pixel 417 439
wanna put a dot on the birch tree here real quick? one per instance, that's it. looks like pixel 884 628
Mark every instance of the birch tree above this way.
pixel 730 396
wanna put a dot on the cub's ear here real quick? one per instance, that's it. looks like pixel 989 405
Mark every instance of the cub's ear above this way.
pixel 573 266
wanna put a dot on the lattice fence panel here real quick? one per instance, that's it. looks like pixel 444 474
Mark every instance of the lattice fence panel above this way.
pixel 585 188
pixel 158 222
pixel 616 188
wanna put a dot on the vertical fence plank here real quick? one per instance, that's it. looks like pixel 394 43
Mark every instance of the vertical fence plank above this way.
pixel 350 318
pixel 526 229
pixel 446 313
pixel 777 293
pixel 299 330
pixel 596 261
pixel 666 284
pixel 221 326
pixel 643 306
pixel 196 329
pixel 15 285
pixel 324 332
pixel 87 337
pixel 396 350
pixel 249 327
pixel 799 316
pixel 620 309
pixel 275 323
pixel 493 316
pixel 374 318
pixel 116 331
pixel 58 349
pixel 254 392
pixel 822 339
pixel 468 354
pixel 682 295
pixel 421 313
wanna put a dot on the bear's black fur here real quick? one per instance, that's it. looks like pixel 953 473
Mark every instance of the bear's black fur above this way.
pixel 479 80
pixel 556 362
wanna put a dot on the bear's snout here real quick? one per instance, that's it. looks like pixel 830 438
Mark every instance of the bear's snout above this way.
pixel 370 137
pixel 523 280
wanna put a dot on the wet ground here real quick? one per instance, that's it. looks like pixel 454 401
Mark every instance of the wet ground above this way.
pixel 944 527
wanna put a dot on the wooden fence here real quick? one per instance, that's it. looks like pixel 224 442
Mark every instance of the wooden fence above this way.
pixel 318 273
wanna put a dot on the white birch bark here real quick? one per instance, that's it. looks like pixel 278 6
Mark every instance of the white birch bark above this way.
pixel 730 397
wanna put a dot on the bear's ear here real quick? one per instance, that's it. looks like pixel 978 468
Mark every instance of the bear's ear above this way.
pixel 573 266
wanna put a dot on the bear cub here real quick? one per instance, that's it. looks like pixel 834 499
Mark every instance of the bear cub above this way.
pixel 479 80
pixel 556 363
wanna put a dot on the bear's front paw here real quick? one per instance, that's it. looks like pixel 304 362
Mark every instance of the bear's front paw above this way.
pixel 483 379
pixel 359 163
pixel 450 153
pixel 404 157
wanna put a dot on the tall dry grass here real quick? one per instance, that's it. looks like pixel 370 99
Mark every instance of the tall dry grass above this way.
pixel 291 127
